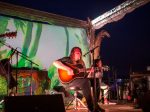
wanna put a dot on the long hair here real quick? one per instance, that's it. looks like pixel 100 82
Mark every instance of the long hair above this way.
pixel 73 51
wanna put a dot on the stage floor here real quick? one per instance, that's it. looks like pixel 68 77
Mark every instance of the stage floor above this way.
pixel 118 107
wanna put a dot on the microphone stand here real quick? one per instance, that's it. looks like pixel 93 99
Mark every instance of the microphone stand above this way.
pixel 95 93
pixel 18 53
pixel 91 51
pixel 26 58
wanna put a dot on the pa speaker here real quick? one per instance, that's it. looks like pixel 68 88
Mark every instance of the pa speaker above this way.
pixel 144 101
pixel 35 103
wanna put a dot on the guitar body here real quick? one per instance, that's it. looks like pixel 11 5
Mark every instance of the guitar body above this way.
pixel 66 78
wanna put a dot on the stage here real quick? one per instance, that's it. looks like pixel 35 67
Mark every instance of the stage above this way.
pixel 118 107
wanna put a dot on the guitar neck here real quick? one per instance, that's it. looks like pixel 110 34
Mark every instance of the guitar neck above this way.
pixel 71 65
pixel 75 67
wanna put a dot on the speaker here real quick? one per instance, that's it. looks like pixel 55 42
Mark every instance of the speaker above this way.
pixel 35 103
pixel 144 101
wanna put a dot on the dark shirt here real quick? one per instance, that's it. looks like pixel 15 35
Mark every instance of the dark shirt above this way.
pixel 66 60
pixel 78 67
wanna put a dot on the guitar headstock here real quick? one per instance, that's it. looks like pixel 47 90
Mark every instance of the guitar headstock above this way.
pixel 9 34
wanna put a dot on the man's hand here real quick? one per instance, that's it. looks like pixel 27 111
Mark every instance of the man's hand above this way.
pixel 90 70
pixel 70 71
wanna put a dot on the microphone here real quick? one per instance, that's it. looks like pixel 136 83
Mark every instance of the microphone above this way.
pixel 90 51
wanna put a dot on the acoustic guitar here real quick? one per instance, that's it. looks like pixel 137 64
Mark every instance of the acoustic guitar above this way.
pixel 78 70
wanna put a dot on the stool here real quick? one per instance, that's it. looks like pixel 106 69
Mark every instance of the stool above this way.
pixel 76 100
pixel 103 95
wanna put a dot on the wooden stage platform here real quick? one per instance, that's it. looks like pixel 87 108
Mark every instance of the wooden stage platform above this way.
pixel 126 107
pixel 118 107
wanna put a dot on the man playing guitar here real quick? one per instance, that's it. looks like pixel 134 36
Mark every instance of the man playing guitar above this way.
pixel 72 71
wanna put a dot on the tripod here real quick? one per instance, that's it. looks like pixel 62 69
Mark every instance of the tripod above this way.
pixel 78 104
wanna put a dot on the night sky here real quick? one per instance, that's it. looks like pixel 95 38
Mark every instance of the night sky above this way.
pixel 128 48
